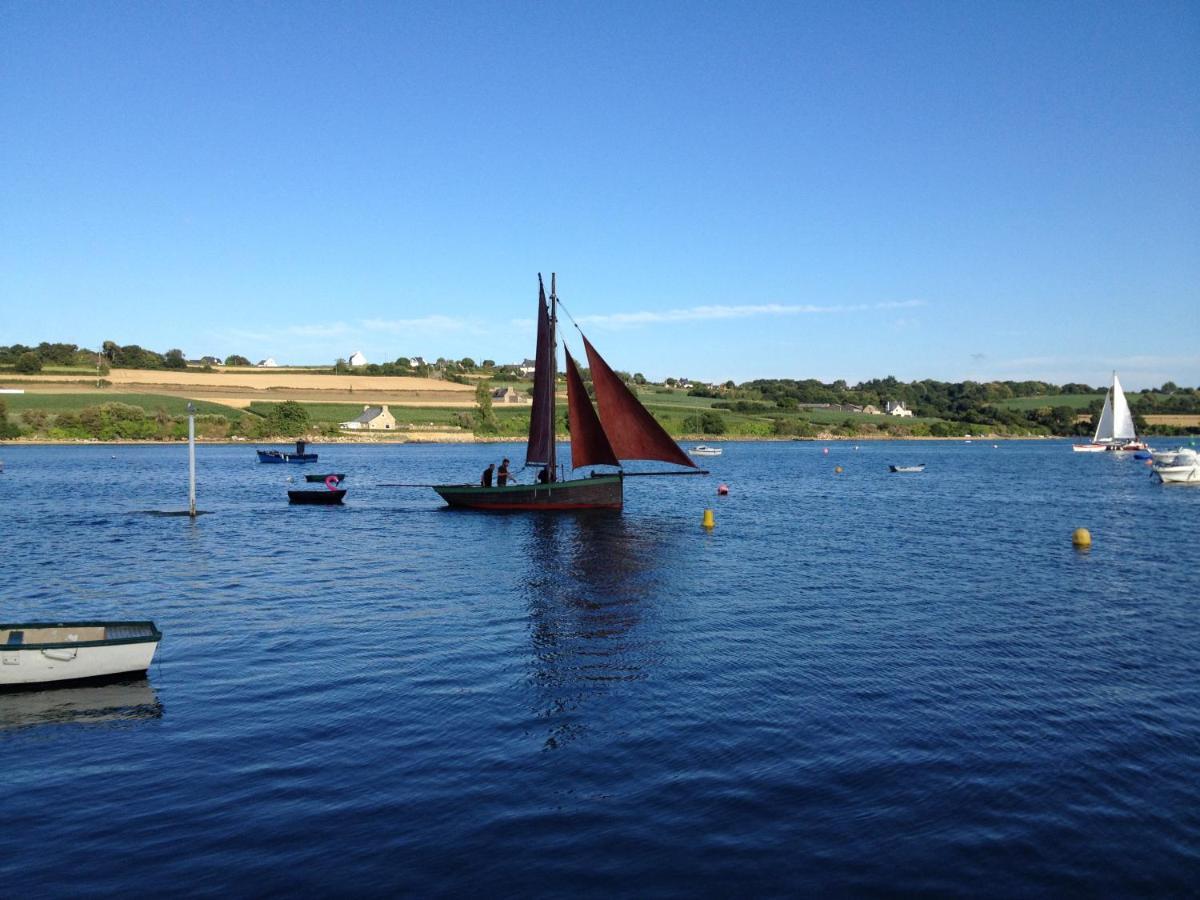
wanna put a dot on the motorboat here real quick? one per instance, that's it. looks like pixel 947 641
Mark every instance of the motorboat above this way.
pixel 1183 468
pixel 916 468
pixel 47 654
pixel 278 456
pixel 705 450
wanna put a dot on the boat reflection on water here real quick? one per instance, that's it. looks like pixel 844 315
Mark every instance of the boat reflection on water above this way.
pixel 105 704
pixel 590 579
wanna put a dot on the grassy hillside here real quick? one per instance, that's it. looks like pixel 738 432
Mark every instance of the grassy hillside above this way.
pixel 59 403
pixel 1075 401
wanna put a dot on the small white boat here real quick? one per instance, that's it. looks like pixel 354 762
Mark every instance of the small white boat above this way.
pixel 47 654
pixel 1115 431
pixel 1183 468
pixel 705 450
pixel 917 468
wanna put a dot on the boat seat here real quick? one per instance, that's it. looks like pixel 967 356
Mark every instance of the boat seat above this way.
pixel 16 638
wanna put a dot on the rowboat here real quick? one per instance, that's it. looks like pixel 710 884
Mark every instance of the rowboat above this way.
pixel 317 498
pixel 337 475
pixel 47 654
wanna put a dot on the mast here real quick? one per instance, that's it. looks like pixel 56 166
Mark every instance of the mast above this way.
pixel 552 463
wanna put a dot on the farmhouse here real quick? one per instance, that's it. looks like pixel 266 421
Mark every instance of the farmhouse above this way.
pixel 527 367
pixel 896 408
pixel 268 363
pixel 372 418
pixel 507 395
pixel 357 359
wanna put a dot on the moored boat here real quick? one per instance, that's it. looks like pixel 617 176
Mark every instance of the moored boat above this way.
pixel 705 450
pixel 278 456
pixel 46 654
pixel 917 468
pixel 622 429
pixel 317 498
pixel 1182 468
pixel 1115 432
pixel 338 476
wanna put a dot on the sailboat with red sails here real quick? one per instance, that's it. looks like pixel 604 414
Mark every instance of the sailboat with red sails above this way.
pixel 622 429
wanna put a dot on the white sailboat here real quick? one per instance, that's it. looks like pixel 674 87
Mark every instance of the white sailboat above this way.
pixel 1115 430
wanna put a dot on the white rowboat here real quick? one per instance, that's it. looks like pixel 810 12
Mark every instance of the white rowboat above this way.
pixel 47 654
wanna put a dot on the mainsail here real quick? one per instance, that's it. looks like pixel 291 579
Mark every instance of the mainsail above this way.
pixel 540 450
pixel 1116 421
pixel 632 432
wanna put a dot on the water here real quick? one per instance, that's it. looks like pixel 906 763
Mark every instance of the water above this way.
pixel 855 683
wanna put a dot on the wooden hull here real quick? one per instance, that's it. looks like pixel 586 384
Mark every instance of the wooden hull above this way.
pixel 41 654
pixel 600 492
pixel 274 456
pixel 316 498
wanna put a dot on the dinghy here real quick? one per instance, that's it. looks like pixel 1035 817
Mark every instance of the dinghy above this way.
pixel 47 654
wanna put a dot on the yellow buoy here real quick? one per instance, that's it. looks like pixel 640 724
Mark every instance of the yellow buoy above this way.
pixel 838 469
pixel 1081 538
pixel 709 521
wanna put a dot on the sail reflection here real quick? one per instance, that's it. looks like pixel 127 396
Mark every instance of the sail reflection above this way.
pixel 589 579
pixel 125 701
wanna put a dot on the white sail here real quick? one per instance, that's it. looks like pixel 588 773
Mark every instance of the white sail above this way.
pixel 1116 422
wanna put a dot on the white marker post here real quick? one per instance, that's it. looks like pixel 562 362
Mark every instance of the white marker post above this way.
pixel 191 408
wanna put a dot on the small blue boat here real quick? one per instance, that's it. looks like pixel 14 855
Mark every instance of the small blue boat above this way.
pixel 277 456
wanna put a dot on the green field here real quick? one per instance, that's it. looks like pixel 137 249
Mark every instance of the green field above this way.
pixel 1075 401
pixel 59 403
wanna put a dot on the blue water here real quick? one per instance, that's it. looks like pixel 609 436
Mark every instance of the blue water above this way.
pixel 856 683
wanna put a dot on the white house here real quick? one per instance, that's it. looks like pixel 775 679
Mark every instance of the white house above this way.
pixel 372 418
pixel 268 363
pixel 527 368
pixel 357 359
pixel 897 408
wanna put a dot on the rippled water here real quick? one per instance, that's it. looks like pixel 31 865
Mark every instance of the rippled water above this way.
pixel 855 683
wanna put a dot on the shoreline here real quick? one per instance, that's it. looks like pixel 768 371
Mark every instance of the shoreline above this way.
pixel 709 439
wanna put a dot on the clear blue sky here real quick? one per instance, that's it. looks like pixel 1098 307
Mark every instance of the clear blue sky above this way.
pixel 726 190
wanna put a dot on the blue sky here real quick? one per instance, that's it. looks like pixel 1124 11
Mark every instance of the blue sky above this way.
pixel 726 190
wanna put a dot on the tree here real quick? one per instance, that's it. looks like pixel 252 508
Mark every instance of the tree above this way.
pixel 488 364
pixel 639 378
pixel 28 363
pixel 288 417
pixel 484 413
pixel 174 359
pixel 467 363
pixel 235 360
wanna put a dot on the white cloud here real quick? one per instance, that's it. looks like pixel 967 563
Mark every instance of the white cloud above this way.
pixel 727 311
pixel 434 324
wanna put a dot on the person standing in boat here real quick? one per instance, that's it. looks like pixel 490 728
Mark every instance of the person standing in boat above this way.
pixel 486 480
pixel 502 473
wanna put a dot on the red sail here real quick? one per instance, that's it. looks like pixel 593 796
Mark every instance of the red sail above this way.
pixel 589 445
pixel 632 431
pixel 540 450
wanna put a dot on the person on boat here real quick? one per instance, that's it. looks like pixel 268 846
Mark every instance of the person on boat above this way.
pixel 544 475
pixel 486 480
pixel 502 473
